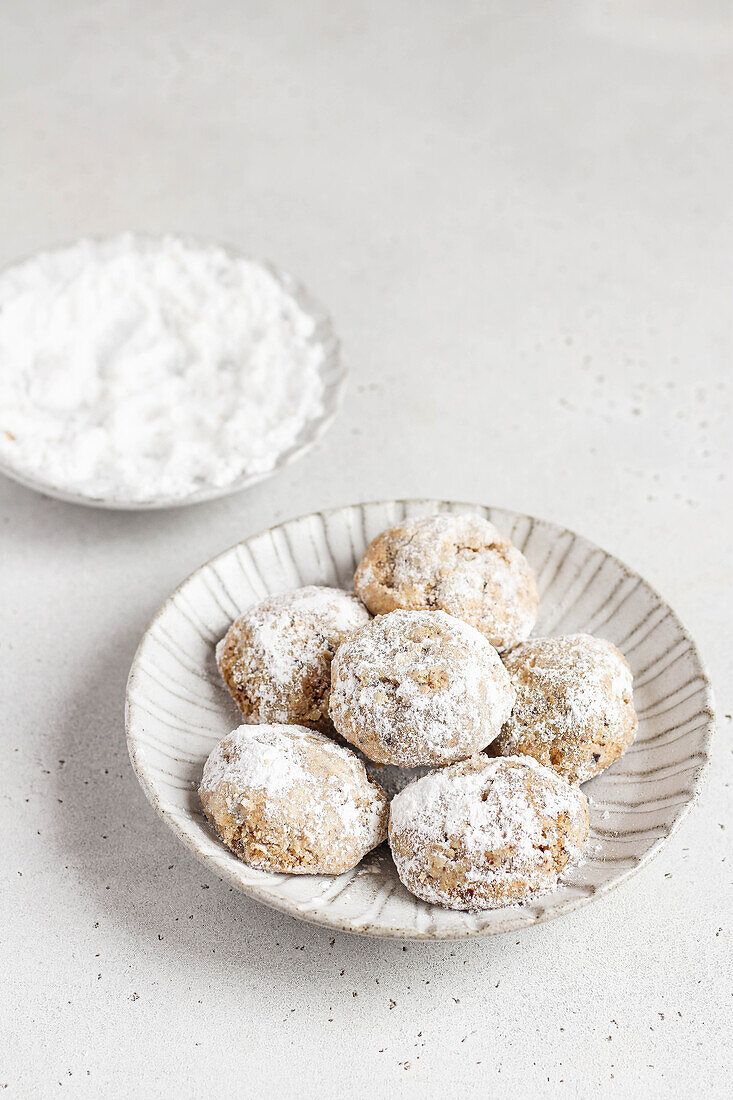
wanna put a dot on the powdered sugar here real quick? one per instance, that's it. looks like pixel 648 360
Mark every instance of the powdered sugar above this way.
pixel 276 627
pixel 276 658
pixel 486 806
pixel 480 830
pixel 458 563
pixel 290 763
pixel 574 699
pixel 265 757
pixel 588 672
pixel 136 369
pixel 418 687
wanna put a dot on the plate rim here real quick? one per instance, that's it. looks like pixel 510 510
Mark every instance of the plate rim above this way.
pixel 228 874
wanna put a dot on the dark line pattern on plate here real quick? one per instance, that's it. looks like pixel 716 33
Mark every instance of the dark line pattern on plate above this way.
pixel 670 664
pixel 702 713
pixel 369 916
pixel 212 581
pixel 631 835
pixel 145 705
pixel 284 557
pixel 652 775
pixel 654 626
pixel 590 626
pixel 206 576
pixel 327 544
pixel 351 532
pixel 334 897
pixel 225 588
pixel 607 857
pixel 513 529
pixel 194 701
pixel 672 741
pixel 547 587
pixel 649 714
pixel 145 696
pixel 604 623
pixel 171 752
pixel 527 537
pixel 539 570
pixel 620 805
pixel 658 657
pixel 250 569
pixel 171 781
pixel 171 647
pixel 564 605
pixel 316 552
pixel 365 540
pixel 558 624
pixel 205 634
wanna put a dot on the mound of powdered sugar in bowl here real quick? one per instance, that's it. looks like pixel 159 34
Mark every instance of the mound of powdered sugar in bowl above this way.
pixel 142 370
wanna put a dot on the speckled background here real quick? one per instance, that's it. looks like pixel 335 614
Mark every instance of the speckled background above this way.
pixel 520 215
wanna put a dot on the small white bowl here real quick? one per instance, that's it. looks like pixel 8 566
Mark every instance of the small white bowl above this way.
pixel 333 377
pixel 177 708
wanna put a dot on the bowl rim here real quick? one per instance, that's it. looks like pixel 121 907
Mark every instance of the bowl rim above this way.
pixel 227 873
pixel 334 375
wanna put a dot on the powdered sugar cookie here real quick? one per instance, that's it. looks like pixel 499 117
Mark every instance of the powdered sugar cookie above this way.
pixel 457 563
pixel 276 658
pixel 419 687
pixel 486 833
pixel 574 710
pixel 289 799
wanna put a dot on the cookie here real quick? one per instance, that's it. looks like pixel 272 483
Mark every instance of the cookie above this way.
pixel 459 564
pixel 289 799
pixel 574 709
pixel 419 687
pixel 276 658
pixel 484 833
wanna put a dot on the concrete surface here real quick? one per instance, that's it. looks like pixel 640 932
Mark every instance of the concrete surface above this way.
pixel 520 215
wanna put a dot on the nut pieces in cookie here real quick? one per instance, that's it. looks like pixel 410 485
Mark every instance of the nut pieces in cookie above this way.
pixel 289 799
pixel 276 658
pixel 419 687
pixel 574 709
pixel 486 833
pixel 455 563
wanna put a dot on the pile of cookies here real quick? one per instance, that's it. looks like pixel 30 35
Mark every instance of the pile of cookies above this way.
pixel 428 664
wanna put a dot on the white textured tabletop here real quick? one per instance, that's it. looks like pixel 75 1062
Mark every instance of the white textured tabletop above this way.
pixel 520 216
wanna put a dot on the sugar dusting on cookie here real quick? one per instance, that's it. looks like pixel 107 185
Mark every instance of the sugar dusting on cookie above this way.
pixel 574 707
pixel 419 687
pixel 486 832
pixel 276 658
pixel 287 798
pixel 459 563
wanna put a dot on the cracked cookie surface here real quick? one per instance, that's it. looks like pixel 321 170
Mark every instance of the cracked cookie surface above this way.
pixel 289 799
pixel 276 658
pixel 574 708
pixel 486 833
pixel 419 687
pixel 460 564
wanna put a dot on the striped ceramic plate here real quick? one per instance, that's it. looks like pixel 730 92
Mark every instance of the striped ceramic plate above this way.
pixel 177 709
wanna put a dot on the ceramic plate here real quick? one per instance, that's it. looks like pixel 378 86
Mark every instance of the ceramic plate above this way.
pixel 333 377
pixel 177 709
